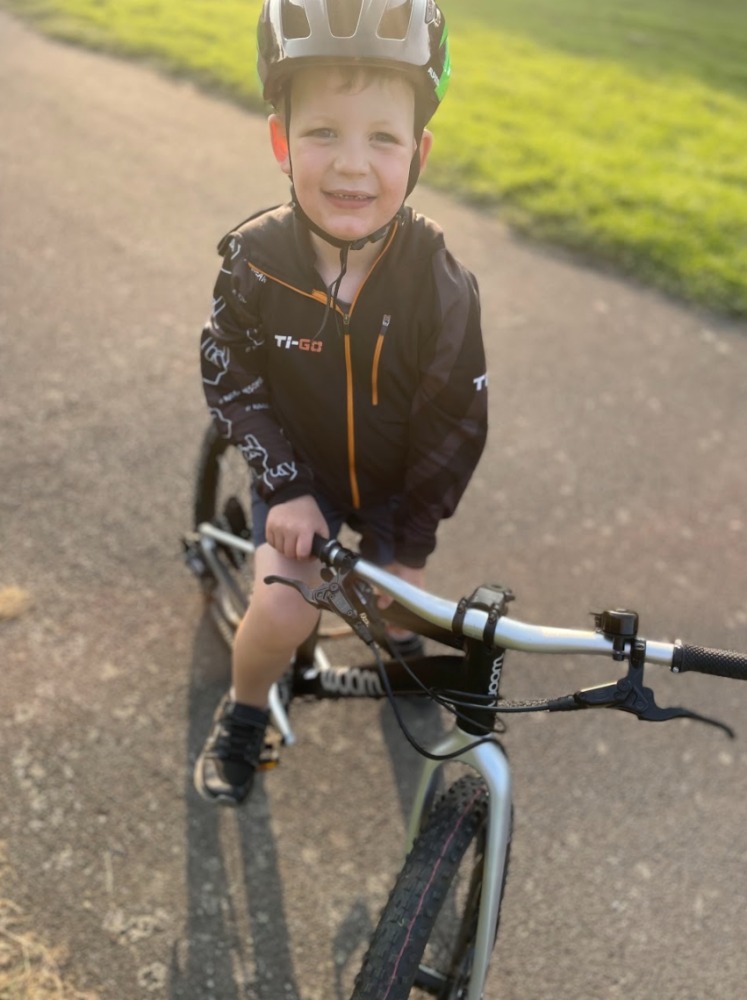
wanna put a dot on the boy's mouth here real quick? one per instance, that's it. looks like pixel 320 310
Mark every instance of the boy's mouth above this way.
pixel 350 197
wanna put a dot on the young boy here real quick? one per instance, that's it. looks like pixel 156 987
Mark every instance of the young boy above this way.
pixel 344 355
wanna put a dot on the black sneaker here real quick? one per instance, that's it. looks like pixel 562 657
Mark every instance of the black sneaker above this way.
pixel 225 769
pixel 410 648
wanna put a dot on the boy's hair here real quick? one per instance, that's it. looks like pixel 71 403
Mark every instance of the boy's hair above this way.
pixel 352 79
pixel 406 36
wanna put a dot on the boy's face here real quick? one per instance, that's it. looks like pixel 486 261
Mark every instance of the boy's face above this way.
pixel 350 149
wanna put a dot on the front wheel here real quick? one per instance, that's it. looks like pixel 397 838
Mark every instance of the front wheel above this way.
pixel 425 940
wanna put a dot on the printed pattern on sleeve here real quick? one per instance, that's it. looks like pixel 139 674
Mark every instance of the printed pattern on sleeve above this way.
pixel 233 362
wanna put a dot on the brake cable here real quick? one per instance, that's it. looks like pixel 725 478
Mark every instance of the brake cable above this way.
pixel 352 599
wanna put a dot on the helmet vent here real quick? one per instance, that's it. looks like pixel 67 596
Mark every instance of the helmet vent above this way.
pixel 295 21
pixel 344 17
pixel 395 21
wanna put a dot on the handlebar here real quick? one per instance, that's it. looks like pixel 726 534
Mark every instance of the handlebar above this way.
pixel 509 633
pixel 719 662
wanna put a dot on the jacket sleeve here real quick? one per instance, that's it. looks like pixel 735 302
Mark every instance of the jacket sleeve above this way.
pixel 449 416
pixel 233 362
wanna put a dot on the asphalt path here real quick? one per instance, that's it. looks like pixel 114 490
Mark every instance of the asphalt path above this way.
pixel 615 475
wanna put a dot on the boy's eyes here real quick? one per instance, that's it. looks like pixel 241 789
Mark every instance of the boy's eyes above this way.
pixel 329 133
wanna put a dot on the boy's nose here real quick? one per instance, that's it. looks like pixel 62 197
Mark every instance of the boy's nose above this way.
pixel 351 158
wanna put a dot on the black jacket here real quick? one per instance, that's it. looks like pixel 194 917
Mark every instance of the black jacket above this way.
pixel 389 399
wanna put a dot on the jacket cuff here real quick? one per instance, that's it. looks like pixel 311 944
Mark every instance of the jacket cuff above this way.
pixel 412 555
pixel 289 492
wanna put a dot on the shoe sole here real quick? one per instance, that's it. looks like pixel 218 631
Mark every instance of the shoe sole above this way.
pixel 220 800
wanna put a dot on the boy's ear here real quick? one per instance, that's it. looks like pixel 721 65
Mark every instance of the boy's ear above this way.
pixel 426 144
pixel 279 143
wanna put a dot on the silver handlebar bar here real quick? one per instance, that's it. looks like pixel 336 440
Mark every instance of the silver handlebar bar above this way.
pixel 509 632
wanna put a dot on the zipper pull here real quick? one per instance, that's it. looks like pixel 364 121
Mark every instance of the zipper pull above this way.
pixel 377 357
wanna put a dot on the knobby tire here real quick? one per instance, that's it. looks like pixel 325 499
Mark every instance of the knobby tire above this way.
pixel 394 967
pixel 222 498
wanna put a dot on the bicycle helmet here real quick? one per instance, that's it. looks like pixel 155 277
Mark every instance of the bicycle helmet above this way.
pixel 406 35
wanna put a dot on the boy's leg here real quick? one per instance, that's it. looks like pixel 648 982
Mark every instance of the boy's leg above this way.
pixel 275 624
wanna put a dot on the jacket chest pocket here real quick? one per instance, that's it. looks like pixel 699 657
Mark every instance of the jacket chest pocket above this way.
pixel 393 368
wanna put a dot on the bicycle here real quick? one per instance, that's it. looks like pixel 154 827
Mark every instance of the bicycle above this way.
pixel 436 933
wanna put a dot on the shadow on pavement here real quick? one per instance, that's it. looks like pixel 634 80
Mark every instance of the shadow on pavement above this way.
pixel 236 936
pixel 236 942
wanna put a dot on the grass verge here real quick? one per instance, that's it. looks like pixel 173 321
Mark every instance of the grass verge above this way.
pixel 616 128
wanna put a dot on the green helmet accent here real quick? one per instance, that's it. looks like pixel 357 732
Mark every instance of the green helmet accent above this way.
pixel 443 84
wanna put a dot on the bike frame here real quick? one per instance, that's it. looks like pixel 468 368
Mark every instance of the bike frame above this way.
pixel 486 758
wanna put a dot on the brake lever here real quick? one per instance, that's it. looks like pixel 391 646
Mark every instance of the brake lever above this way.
pixel 332 596
pixel 630 694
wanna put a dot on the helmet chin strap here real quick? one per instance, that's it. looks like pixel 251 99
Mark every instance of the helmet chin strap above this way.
pixel 344 246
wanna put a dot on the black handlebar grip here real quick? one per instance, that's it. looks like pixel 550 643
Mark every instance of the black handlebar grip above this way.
pixel 317 545
pixel 718 662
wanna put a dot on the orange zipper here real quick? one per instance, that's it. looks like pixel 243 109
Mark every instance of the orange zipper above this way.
pixel 377 358
pixel 321 297
pixel 354 489
pixel 317 295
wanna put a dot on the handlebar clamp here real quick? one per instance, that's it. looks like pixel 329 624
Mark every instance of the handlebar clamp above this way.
pixel 491 599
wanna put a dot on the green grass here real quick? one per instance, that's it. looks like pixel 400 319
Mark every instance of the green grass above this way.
pixel 617 128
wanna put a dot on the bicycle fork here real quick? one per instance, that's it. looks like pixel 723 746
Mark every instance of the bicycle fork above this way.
pixel 491 763
pixel 481 674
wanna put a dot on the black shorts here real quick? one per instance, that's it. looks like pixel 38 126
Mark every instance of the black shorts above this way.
pixel 375 525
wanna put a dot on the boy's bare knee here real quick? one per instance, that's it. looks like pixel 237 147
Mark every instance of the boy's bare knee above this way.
pixel 283 609
pixel 277 607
